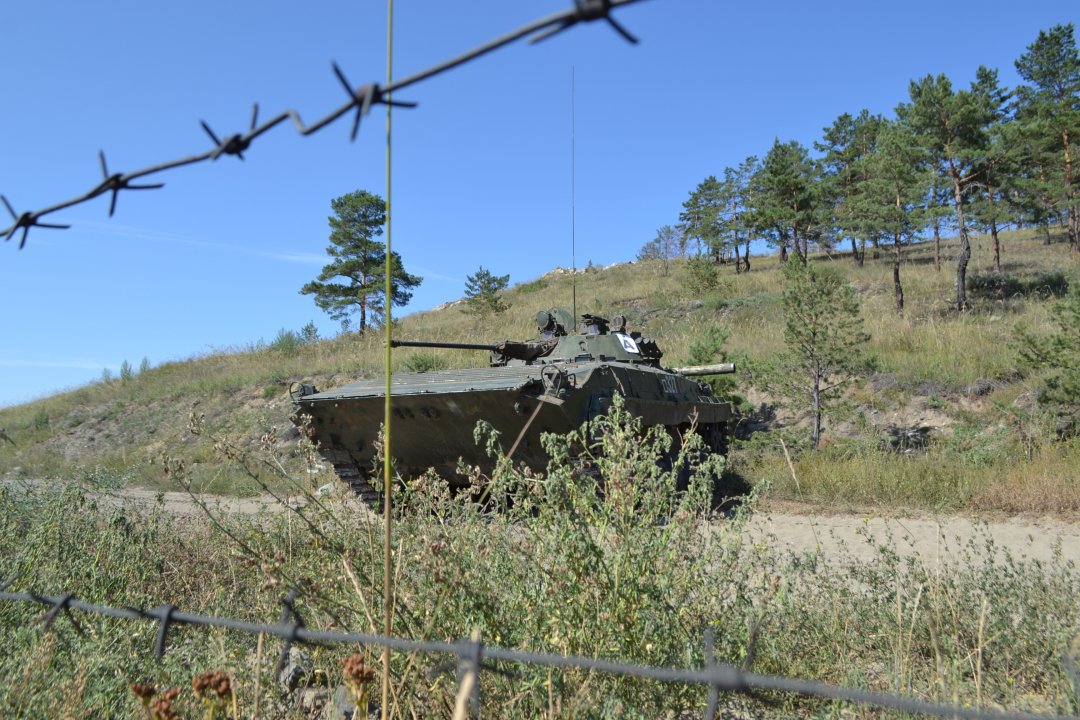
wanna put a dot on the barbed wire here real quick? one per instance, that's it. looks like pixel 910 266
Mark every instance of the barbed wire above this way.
pixel 361 98
pixel 470 654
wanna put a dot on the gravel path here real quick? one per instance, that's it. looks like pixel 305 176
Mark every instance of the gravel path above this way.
pixel 931 537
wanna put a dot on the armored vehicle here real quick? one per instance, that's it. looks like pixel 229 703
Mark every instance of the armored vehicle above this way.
pixel 551 384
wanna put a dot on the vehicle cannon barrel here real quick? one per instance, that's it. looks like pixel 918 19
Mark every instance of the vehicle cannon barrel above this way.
pixel 721 369
pixel 451 346
pixel 507 349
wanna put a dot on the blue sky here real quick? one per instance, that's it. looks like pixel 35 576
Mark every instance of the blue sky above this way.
pixel 481 167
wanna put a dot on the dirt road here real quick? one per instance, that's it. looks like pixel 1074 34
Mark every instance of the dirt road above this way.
pixel 931 537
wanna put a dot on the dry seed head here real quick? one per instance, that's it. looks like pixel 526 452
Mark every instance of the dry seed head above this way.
pixel 162 708
pixel 143 692
pixel 356 672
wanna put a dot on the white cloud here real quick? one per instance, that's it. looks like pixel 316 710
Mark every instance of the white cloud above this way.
pixel 140 234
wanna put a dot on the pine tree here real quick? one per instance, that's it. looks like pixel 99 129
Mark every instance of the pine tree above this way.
pixel 848 140
pixel 993 207
pixel 1059 352
pixel 663 247
pixel 700 215
pixel 789 210
pixel 824 338
pixel 896 180
pixel 954 124
pixel 1052 103
pixel 482 293
pixel 360 260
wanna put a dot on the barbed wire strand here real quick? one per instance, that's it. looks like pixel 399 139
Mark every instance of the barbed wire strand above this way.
pixel 361 98
pixel 470 650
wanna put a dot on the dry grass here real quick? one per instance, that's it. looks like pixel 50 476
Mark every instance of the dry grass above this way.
pixel 931 351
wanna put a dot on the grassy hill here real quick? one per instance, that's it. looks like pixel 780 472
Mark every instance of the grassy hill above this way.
pixel 940 425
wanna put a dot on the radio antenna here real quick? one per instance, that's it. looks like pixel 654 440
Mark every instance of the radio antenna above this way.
pixel 573 227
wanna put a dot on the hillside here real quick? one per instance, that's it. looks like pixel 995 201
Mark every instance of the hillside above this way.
pixel 937 427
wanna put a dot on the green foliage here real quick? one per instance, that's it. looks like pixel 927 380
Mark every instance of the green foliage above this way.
pixel 1059 352
pixel 126 371
pixel 144 366
pixel 41 419
pixel 309 334
pixel 360 261
pixel 707 347
pixel 702 276
pixel 664 247
pixel 482 293
pixel 287 342
pixel 106 376
pixel 423 362
pixel 533 286
pixel 824 338
pixel 789 210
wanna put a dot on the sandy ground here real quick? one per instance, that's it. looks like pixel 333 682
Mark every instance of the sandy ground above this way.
pixel 933 538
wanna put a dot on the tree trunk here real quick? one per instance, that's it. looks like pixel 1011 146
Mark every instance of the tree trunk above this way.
pixel 855 252
pixel 937 244
pixel 896 277
pixel 738 260
pixel 997 245
pixel 815 438
pixel 746 259
pixel 783 253
pixel 965 247
pixel 1074 221
pixel 994 229
pixel 1046 233
pixel 1074 228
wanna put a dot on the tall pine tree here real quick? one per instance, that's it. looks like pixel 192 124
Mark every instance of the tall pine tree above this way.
pixel 359 264
pixel 1052 103
pixel 844 143
pixel 896 179
pixel 954 124
pixel 789 209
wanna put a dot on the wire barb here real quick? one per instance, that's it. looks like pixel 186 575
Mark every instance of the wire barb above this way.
pixel 587 11
pixel 364 97
pixel 25 221
pixel 164 615
pixel 64 603
pixel 116 183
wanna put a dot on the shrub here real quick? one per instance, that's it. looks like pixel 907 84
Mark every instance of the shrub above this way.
pixel 422 362
pixel 144 366
pixel 532 286
pixel 309 334
pixel 41 419
pixel 287 342
pixel 126 371
pixel 702 276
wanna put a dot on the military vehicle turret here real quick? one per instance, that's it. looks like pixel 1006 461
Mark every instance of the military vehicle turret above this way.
pixel 551 384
